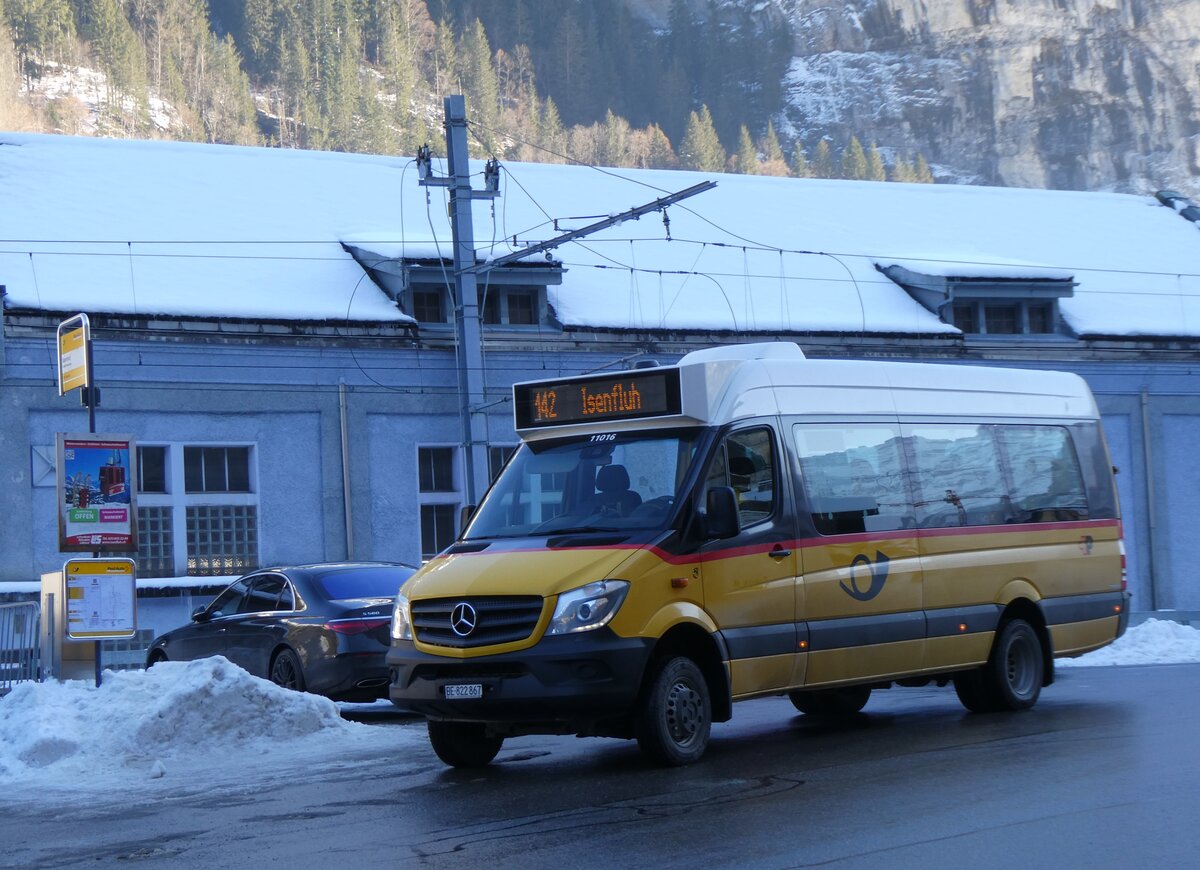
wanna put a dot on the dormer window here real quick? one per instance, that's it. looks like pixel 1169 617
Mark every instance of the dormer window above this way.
pixel 511 295
pixel 1022 305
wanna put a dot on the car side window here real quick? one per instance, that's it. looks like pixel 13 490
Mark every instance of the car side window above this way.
pixel 229 601
pixel 263 595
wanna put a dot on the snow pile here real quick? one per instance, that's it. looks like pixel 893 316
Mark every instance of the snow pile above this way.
pixel 175 716
pixel 1154 642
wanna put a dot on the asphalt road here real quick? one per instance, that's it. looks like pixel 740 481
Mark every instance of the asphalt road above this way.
pixel 1104 772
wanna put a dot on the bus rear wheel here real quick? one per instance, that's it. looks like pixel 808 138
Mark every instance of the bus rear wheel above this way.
pixel 831 702
pixel 463 744
pixel 1012 678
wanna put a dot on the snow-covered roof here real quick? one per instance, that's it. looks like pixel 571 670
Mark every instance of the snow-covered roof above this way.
pixel 179 229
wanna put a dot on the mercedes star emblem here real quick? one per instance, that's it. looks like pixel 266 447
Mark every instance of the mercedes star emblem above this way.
pixel 463 619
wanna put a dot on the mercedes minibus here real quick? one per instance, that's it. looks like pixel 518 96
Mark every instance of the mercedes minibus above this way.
pixel 749 522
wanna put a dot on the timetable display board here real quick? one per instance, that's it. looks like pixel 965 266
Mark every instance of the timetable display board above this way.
pixel 628 396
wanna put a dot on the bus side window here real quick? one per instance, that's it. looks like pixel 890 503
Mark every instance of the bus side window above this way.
pixel 1046 485
pixel 957 475
pixel 853 477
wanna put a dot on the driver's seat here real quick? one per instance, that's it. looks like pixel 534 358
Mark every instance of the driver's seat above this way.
pixel 614 494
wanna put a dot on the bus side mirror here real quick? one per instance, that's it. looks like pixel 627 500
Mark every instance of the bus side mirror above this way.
pixel 721 513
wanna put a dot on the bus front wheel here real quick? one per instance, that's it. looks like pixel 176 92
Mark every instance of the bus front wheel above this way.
pixel 674 715
pixel 463 744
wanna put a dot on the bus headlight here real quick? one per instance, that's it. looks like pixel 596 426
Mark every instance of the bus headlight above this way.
pixel 401 619
pixel 588 607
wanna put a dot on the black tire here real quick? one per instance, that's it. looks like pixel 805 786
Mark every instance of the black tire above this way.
pixel 1012 678
pixel 674 715
pixel 286 670
pixel 463 744
pixel 846 701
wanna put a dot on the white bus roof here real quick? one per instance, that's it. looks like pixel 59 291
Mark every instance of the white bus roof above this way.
pixel 723 384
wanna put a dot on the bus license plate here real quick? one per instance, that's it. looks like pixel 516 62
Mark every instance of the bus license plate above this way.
pixel 470 690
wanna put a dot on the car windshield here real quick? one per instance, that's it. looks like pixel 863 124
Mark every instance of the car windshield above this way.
pixel 604 482
pixel 349 583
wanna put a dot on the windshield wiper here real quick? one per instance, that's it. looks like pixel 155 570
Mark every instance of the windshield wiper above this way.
pixel 575 530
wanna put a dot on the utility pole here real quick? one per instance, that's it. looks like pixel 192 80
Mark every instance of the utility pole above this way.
pixel 467 330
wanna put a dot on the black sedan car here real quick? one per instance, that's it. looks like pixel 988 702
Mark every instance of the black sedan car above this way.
pixel 315 628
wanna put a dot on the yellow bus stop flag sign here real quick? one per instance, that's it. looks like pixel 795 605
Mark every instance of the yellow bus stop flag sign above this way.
pixel 72 354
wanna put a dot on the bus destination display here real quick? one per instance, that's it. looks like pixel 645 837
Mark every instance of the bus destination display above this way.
pixel 652 393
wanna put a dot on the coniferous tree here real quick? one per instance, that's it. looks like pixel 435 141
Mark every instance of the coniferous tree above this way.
pixel 773 161
pixel 45 28
pixel 854 161
pixel 616 150
pixel 552 135
pixel 479 84
pixel 921 171
pixel 800 167
pixel 662 155
pixel 902 170
pixel 15 113
pixel 822 162
pixel 701 148
pixel 875 170
pixel 746 160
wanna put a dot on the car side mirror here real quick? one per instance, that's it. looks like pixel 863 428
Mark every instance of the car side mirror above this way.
pixel 721 513
pixel 200 614
pixel 464 516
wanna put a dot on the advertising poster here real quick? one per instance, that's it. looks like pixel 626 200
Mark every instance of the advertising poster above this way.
pixel 97 511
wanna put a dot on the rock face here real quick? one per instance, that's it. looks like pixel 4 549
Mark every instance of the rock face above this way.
pixel 1075 94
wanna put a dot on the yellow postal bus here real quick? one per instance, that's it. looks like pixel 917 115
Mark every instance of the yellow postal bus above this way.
pixel 749 522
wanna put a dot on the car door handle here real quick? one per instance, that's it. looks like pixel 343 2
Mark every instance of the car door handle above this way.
pixel 779 553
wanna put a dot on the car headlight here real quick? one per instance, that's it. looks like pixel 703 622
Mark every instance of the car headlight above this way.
pixel 401 619
pixel 588 607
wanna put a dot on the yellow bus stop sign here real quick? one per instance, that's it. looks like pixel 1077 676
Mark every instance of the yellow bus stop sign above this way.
pixel 72 354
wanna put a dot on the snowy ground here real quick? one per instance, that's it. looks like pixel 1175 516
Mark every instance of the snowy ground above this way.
pixel 191 726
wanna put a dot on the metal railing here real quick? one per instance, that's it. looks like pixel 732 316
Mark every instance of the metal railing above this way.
pixel 20 644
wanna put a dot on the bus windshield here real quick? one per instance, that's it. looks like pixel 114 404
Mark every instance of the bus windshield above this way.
pixel 605 482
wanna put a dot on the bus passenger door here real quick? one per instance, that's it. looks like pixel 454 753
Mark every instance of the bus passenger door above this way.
pixel 860 601
pixel 749 579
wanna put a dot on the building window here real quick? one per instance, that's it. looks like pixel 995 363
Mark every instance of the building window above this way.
pixel 522 308
pixel 221 539
pixel 427 305
pixel 197 510
pixel 497 456
pixel 437 528
pixel 982 317
pixel 1041 319
pixel 156 542
pixel 439 497
pixel 152 469
pixel 963 316
pixel 1002 319
pixel 216 469
pixel 436 469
